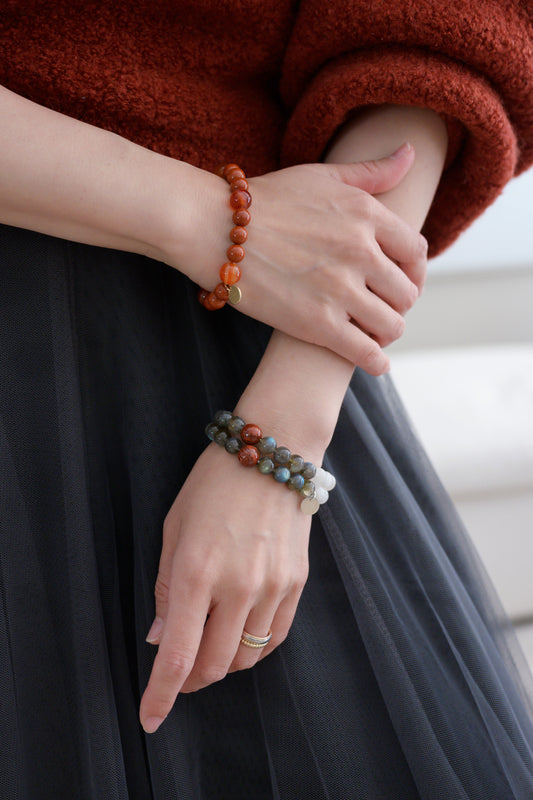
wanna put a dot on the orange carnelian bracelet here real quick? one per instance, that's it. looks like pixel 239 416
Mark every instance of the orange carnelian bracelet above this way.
pixel 240 201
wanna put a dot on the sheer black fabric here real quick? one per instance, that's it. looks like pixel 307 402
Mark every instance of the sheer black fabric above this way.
pixel 397 680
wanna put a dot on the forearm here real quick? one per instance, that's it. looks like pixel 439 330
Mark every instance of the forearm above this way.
pixel 298 388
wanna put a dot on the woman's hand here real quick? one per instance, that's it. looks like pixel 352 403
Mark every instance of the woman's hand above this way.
pixel 235 554
pixel 325 261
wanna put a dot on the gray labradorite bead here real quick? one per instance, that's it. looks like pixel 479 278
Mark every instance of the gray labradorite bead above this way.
pixel 222 418
pixel 266 445
pixel 265 465
pixel 233 445
pixel 296 464
pixel 308 489
pixel 211 430
pixel 308 470
pixel 296 482
pixel 282 455
pixel 281 474
pixel 221 438
pixel 235 425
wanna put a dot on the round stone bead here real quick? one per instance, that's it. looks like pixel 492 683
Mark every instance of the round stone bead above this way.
pixel 238 183
pixel 238 235
pixel 308 489
pixel 211 431
pixel 235 425
pixel 202 295
pixel 233 445
pixel 221 291
pixel 229 273
pixel 282 455
pixel 266 445
pixel 241 217
pixel 308 470
pixel 325 479
pixel 296 482
pixel 281 474
pixel 213 303
pixel 296 464
pixel 240 199
pixel 227 168
pixel 265 465
pixel 321 494
pixel 309 505
pixel 222 418
pixel 221 438
pixel 251 433
pixel 248 455
pixel 233 173
pixel 235 253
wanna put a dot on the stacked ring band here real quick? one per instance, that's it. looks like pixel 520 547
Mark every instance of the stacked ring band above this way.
pixel 247 442
pixel 255 641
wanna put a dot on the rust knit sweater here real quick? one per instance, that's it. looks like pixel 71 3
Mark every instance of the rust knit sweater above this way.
pixel 268 82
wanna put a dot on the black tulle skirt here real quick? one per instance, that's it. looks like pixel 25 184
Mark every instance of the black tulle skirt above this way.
pixel 399 679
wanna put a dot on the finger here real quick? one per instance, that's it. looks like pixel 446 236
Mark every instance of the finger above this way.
pixel 219 644
pixel 390 283
pixel 379 175
pixel 402 244
pixel 181 637
pixel 282 621
pixel 258 624
pixel 377 318
pixel 360 349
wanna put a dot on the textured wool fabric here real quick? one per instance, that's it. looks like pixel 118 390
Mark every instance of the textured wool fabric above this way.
pixel 269 82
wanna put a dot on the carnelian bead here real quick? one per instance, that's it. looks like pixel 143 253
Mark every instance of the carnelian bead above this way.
pixel 251 433
pixel 242 217
pixel 248 455
pixel 220 170
pixel 221 292
pixel 227 168
pixel 240 200
pixel 202 294
pixel 229 273
pixel 213 303
pixel 233 174
pixel 239 183
pixel 235 253
pixel 238 235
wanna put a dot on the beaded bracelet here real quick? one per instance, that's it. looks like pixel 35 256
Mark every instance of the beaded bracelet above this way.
pixel 247 442
pixel 240 201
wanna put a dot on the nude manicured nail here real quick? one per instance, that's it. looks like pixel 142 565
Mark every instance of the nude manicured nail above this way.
pixel 401 151
pixel 151 724
pixel 155 631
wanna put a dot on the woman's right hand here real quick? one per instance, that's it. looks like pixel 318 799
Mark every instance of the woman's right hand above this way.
pixel 325 261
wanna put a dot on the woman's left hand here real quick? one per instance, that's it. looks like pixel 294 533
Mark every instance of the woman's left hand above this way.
pixel 234 557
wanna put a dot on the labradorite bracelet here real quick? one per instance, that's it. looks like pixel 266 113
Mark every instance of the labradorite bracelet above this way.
pixel 247 442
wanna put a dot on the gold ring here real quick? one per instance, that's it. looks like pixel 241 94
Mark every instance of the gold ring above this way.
pixel 255 641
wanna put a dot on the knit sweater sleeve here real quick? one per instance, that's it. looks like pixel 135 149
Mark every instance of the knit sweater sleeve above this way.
pixel 469 60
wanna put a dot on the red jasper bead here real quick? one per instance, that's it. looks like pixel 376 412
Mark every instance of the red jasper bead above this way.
pixel 238 235
pixel 248 455
pixel 240 199
pixel 251 433
pixel 229 273
pixel 235 253
pixel 202 294
pixel 221 292
pixel 242 217
pixel 213 303
pixel 227 168
pixel 234 174
pixel 239 183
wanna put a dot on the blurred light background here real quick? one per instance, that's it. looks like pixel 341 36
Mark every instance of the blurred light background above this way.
pixel 464 369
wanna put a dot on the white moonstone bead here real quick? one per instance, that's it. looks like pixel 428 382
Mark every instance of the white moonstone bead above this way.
pixel 309 505
pixel 324 479
pixel 321 494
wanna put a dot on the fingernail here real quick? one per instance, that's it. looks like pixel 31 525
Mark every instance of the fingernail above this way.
pixel 401 151
pixel 155 631
pixel 151 724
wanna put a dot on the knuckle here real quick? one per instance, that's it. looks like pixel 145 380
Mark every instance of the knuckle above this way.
pixel 211 673
pixel 177 664
pixel 161 589
pixel 396 327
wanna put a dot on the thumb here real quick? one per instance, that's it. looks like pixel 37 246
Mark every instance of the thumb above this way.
pixel 377 176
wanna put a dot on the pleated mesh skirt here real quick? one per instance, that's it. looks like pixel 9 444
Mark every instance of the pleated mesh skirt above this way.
pixel 400 678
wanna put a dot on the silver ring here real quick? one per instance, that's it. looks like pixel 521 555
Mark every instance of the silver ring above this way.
pixel 255 641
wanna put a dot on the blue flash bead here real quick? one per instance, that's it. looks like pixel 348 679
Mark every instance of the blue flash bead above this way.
pixel 233 445
pixel 296 482
pixel 211 430
pixel 221 438
pixel 282 455
pixel 235 425
pixel 265 465
pixel 266 445
pixel 296 464
pixel 222 418
pixel 308 470
pixel 281 474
